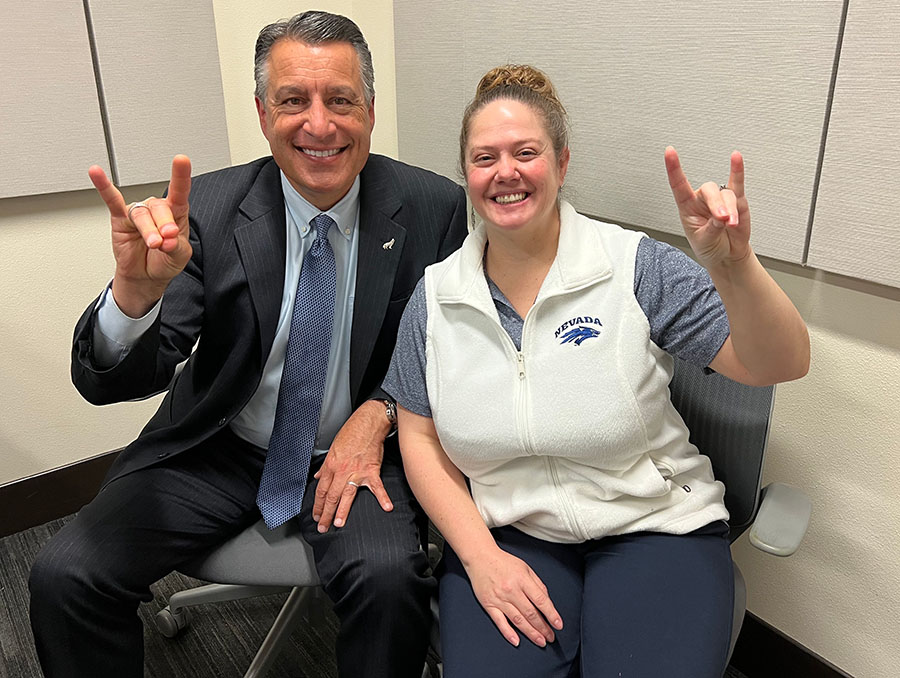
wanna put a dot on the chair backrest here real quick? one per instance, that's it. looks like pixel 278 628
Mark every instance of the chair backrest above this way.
pixel 729 423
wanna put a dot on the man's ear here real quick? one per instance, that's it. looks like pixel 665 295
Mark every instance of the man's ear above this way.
pixel 263 121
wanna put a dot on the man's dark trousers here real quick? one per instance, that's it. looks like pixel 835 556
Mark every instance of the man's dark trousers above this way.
pixel 86 586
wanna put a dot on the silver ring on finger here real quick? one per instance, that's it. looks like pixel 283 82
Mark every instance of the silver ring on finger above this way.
pixel 135 206
pixel 355 484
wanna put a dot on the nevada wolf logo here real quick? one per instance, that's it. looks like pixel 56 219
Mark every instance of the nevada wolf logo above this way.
pixel 576 330
pixel 578 334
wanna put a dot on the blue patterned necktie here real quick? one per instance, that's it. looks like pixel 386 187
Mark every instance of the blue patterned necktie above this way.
pixel 283 482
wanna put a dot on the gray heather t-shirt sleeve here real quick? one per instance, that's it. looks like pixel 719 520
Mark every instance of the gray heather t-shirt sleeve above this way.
pixel 686 314
pixel 405 379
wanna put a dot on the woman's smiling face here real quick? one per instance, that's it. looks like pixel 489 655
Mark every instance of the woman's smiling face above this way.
pixel 512 171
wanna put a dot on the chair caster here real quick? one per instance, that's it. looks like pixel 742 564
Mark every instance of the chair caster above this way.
pixel 170 624
pixel 433 672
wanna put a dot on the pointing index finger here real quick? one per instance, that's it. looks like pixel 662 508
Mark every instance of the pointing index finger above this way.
pixel 110 194
pixel 180 183
pixel 678 182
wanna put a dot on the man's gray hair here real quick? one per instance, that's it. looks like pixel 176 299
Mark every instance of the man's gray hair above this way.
pixel 313 28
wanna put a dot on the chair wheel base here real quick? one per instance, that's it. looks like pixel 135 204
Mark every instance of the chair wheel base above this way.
pixel 170 624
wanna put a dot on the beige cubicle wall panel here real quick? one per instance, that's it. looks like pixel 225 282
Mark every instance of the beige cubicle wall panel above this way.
pixel 50 125
pixel 435 81
pixel 706 77
pixel 159 69
pixel 856 231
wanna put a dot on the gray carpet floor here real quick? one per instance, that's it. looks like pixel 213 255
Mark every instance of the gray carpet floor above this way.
pixel 220 642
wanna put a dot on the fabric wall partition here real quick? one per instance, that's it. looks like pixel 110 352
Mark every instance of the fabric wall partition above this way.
pixel 856 228
pixel 125 85
pixel 706 77
pixel 50 125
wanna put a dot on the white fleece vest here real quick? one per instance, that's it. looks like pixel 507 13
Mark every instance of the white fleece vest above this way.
pixel 574 437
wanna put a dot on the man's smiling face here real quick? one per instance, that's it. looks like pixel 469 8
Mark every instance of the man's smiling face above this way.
pixel 316 117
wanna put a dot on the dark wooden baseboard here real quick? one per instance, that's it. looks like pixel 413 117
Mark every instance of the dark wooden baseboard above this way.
pixel 34 500
pixel 762 651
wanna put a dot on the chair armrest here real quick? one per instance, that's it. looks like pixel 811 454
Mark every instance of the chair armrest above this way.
pixel 782 520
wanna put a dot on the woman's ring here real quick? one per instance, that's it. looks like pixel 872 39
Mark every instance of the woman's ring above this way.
pixel 350 482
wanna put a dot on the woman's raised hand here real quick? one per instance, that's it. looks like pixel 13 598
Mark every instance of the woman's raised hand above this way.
pixel 716 219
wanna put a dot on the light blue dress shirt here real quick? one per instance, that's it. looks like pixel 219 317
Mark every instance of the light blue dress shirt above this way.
pixel 115 333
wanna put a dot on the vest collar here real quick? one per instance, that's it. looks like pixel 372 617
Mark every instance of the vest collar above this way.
pixel 581 260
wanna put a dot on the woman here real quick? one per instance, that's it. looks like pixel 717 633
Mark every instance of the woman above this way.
pixel 534 362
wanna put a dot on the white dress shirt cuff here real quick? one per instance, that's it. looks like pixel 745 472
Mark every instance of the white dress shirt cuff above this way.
pixel 114 332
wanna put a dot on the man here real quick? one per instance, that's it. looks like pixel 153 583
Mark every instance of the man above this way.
pixel 287 277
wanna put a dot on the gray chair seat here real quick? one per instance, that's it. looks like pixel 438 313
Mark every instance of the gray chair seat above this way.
pixel 259 556
pixel 255 562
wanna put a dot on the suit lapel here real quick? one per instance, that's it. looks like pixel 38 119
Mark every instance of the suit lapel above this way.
pixel 262 243
pixel 381 241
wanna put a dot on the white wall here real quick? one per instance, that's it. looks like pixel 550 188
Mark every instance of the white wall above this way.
pixel 835 432
pixel 57 257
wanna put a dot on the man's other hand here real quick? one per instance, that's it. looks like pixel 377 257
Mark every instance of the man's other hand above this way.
pixel 352 462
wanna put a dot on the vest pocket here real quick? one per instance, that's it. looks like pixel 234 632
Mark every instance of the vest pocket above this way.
pixel 664 469
pixel 644 479
pixel 651 478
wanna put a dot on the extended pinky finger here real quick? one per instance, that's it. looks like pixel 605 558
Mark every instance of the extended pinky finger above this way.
pixel 736 179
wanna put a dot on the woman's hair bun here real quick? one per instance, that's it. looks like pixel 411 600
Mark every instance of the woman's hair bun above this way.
pixel 515 75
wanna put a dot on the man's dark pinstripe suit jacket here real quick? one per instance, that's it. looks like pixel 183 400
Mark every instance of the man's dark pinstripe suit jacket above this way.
pixel 229 296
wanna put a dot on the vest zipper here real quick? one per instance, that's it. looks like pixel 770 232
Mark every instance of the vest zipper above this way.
pixel 520 406
pixel 521 413
pixel 574 525
pixel 521 419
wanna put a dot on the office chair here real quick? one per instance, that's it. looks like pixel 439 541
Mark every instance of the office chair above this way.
pixel 729 422
pixel 258 562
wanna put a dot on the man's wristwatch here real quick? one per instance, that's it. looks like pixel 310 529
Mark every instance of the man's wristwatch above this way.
pixel 390 410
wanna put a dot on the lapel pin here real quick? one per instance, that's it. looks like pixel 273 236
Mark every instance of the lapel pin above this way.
pixel 388 245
